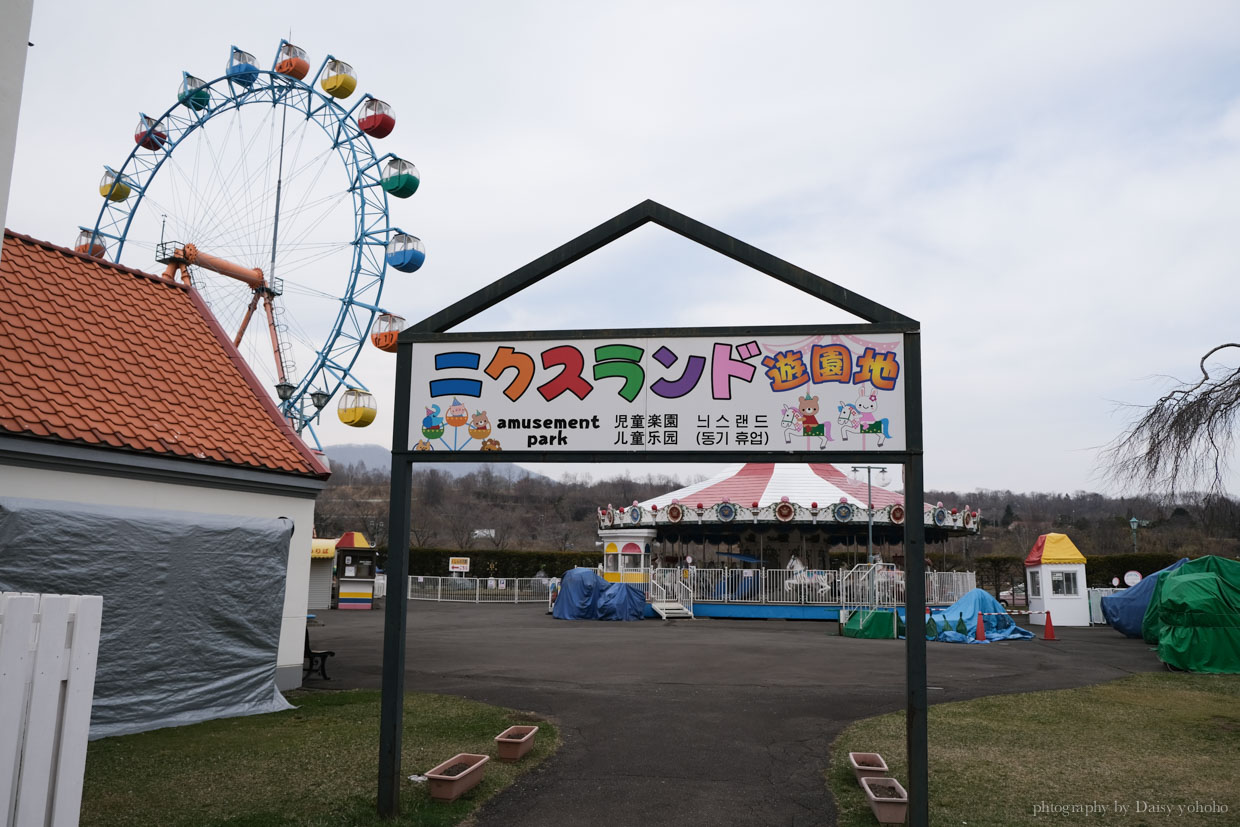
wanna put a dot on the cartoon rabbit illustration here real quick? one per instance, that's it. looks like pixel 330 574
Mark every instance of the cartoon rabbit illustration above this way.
pixel 859 417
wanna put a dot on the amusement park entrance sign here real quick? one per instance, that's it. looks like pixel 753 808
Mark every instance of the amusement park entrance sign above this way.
pixel 783 394
pixel 774 391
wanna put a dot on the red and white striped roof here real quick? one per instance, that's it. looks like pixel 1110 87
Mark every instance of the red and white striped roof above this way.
pixel 766 483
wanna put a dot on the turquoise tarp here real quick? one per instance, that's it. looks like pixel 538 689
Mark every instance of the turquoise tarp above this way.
pixel 963 613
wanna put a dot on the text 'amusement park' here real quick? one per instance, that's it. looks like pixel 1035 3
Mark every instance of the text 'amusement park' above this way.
pixel 842 497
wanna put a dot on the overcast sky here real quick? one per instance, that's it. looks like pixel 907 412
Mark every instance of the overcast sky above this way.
pixel 1050 189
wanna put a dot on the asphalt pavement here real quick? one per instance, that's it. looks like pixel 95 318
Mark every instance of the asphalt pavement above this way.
pixel 690 722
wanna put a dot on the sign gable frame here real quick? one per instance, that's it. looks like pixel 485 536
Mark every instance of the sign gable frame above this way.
pixel 435 328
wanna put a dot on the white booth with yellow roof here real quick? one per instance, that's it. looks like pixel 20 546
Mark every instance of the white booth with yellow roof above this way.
pixel 1056 582
pixel 322 561
pixel 355 571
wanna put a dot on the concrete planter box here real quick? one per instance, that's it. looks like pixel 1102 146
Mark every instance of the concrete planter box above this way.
pixel 449 781
pixel 867 765
pixel 888 800
pixel 513 743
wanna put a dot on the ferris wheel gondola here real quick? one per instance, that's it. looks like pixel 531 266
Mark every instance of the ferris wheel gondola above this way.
pixel 234 181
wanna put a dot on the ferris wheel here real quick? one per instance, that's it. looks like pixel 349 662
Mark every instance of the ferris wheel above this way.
pixel 266 195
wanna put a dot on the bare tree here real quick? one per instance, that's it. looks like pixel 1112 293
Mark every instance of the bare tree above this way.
pixel 459 524
pixel 423 528
pixel 1185 438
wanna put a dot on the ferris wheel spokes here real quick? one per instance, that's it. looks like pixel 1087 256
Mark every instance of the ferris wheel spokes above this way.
pixel 232 185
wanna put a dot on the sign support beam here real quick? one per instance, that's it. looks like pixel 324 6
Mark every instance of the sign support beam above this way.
pixel 915 592
pixel 392 709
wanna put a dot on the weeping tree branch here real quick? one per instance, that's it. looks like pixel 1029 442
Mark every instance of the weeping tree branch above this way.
pixel 1183 440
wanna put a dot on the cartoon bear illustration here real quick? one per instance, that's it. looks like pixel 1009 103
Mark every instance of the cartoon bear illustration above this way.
pixel 490 445
pixel 809 415
pixel 479 425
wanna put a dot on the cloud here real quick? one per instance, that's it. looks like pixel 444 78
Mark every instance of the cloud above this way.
pixel 1046 188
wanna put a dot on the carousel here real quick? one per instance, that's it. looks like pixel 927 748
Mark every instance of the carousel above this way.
pixel 805 528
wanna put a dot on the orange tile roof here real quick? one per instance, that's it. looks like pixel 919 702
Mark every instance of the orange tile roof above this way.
pixel 98 354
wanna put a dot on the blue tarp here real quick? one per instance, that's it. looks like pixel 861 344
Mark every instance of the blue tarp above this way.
pixel 585 595
pixel 1125 611
pixel 998 623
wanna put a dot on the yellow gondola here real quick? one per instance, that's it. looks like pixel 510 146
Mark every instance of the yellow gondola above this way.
pixel 113 186
pixel 357 408
pixel 339 80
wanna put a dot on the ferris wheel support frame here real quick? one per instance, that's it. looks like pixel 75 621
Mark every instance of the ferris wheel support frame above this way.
pixel 334 360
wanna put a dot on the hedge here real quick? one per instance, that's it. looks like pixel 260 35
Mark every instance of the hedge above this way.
pixel 508 562
pixel 1099 570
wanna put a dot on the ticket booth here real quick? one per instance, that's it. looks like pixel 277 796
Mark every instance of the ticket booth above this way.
pixel 1055 582
pixel 355 572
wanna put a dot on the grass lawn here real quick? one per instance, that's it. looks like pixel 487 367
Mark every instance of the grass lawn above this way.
pixel 314 765
pixel 1141 742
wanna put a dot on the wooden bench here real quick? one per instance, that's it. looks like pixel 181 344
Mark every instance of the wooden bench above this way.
pixel 316 659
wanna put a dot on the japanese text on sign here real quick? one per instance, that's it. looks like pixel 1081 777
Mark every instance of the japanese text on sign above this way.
pixel 815 392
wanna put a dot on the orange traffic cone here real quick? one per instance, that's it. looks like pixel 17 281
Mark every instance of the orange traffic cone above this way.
pixel 981 628
pixel 1049 632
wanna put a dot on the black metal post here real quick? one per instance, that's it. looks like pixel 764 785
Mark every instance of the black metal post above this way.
pixel 915 591
pixel 391 720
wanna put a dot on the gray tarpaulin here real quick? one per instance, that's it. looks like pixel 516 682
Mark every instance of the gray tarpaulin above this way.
pixel 192 604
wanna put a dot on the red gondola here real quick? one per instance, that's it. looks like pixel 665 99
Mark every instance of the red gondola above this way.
pixel 376 119
pixel 149 133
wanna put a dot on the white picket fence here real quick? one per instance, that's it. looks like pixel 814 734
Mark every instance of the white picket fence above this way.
pixel 49 645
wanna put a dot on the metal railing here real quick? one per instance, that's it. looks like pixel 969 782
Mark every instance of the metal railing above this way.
pixel 684 595
pixel 656 592
pixel 479 589
pixel 875 585
pixel 944 588
pixel 879 585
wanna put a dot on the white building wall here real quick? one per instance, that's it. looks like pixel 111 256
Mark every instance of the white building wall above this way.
pixel 14 31
pixel 1066 610
pixel 44 484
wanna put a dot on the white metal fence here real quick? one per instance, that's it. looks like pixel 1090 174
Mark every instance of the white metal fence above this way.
pixel 867 585
pixel 1095 604
pixel 480 589
pixel 877 585
pixel 49 646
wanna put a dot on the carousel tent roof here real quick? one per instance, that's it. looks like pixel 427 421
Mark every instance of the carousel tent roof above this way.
pixel 767 483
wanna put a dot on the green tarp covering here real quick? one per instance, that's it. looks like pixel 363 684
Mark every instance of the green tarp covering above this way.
pixel 1194 616
pixel 870 624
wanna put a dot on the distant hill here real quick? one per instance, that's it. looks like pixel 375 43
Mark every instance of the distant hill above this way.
pixel 378 458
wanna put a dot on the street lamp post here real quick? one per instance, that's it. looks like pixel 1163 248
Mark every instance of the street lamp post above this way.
pixel 1134 522
pixel 869 506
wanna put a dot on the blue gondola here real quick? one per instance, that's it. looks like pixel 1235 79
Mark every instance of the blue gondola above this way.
pixel 405 253
pixel 242 69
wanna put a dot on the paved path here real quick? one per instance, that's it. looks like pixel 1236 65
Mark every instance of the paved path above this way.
pixel 691 722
